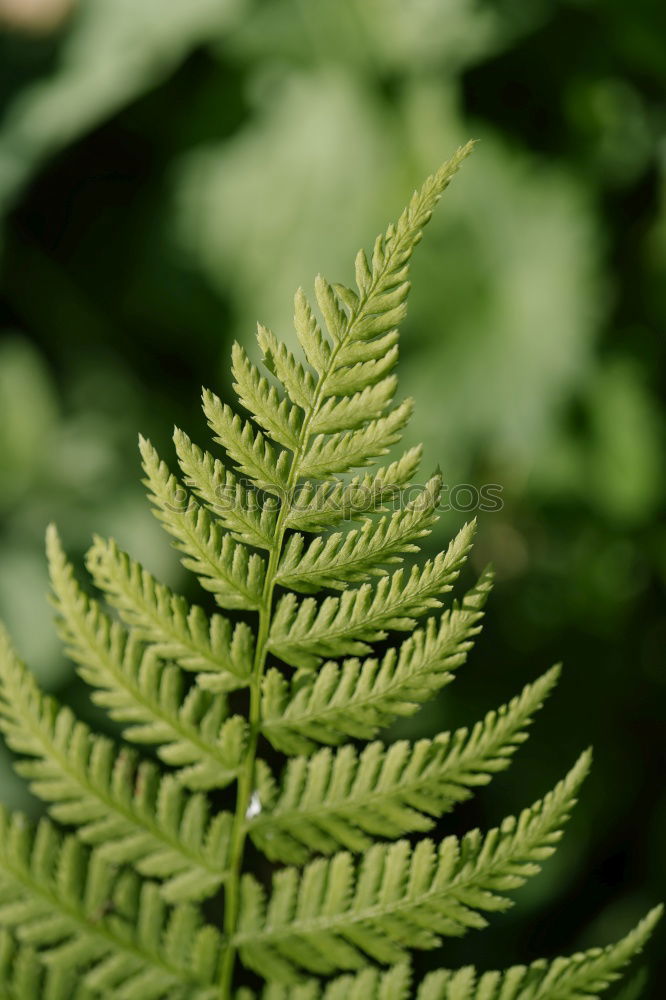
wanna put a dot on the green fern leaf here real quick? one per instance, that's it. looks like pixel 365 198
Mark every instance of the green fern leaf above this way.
pixel 227 568
pixel 281 418
pixel 357 698
pixel 24 977
pixel 248 516
pixel 582 976
pixel 296 380
pixel 302 633
pixel 191 732
pixel 349 799
pixel 173 628
pixel 316 507
pixel 332 454
pixel 138 816
pixel 349 412
pixel 247 447
pixel 350 557
pixel 331 916
pixel 76 913
pixel 315 345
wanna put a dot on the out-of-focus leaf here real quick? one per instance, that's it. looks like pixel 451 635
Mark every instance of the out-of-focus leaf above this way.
pixel 615 465
pixel 28 414
pixel 374 35
pixel 114 50
pixel 317 158
pixel 508 291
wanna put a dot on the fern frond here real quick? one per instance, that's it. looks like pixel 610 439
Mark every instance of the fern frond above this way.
pixel 315 345
pixel 278 416
pixel 297 381
pixel 304 632
pixel 343 558
pixel 24 977
pixel 190 730
pixel 583 976
pixel 347 412
pixel 371 984
pixel 332 917
pixel 316 507
pixel 332 454
pixel 247 446
pixel 227 568
pixel 358 698
pixel 368 365
pixel 140 817
pixel 244 512
pixel 174 629
pixel 347 799
pixel 76 920
pixel 75 912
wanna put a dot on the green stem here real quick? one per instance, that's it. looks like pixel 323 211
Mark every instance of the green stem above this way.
pixel 246 778
pixel 405 238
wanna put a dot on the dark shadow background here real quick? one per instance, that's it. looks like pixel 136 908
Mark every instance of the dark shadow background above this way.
pixel 170 172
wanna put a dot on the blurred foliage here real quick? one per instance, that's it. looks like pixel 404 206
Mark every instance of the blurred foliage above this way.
pixel 170 172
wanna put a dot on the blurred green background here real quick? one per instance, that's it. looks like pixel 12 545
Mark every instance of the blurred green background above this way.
pixel 170 171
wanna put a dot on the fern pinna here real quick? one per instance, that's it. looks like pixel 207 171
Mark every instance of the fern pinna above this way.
pixel 149 895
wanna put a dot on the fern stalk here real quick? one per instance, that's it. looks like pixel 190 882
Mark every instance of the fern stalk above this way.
pixel 425 205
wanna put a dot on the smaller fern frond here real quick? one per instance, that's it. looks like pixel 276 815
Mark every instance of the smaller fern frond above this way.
pixel 582 976
pixel 303 633
pixel 345 413
pixel 174 629
pixel 140 817
pixel 297 381
pixel 75 912
pixel 280 417
pixel 346 799
pixel 243 511
pixel 315 345
pixel 247 446
pixel 227 568
pixel 24 977
pixel 366 366
pixel 344 558
pixel 330 917
pixel 191 730
pixel 332 454
pixel 319 506
pixel 358 698
pixel 370 984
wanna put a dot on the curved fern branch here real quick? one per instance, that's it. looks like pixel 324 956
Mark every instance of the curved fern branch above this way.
pixel 330 916
pixel 348 799
pixel 583 976
pixel 357 698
